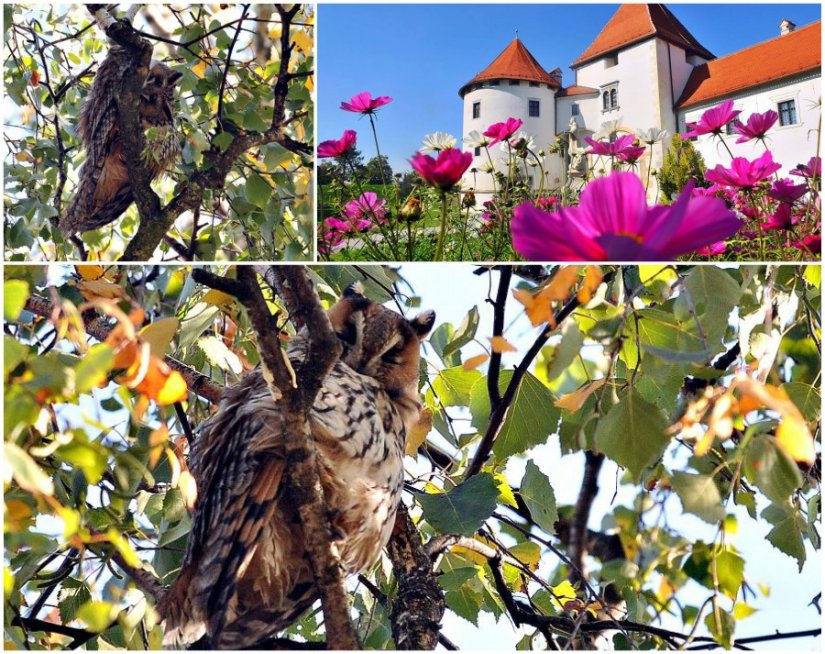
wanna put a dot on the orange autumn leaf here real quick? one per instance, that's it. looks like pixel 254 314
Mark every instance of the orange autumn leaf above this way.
pixel 157 443
pixel 560 286
pixel 537 307
pixel 501 344
pixel 575 400
pixel 100 288
pixel 474 362
pixel 592 279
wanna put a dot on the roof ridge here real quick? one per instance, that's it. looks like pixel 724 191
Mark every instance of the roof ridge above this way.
pixel 773 38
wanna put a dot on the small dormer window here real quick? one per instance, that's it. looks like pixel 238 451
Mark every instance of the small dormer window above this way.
pixel 534 83
pixel 574 109
pixel 611 60
pixel 533 108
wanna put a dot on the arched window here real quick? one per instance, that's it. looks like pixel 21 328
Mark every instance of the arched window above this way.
pixel 614 100
pixel 606 101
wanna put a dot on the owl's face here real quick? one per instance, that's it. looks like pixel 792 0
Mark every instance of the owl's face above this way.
pixel 379 342
pixel 157 100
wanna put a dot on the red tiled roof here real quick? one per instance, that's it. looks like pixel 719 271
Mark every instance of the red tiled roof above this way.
pixel 636 22
pixel 790 54
pixel 515 62
pixel 576 90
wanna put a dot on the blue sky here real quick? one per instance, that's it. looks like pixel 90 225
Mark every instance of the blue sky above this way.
pixel 420 55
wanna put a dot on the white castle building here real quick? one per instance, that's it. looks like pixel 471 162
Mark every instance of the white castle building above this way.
pixel 645 70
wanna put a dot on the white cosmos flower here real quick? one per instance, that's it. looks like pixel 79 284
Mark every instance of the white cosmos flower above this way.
pixel 487 167
pixel 651 135
pixel 609 128
pixel 438 141
pixel 476 139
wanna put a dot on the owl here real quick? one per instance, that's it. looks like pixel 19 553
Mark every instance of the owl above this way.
pixel 104 190
pixel 245 574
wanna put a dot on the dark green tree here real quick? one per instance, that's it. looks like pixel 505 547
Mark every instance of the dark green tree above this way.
pixel 682 164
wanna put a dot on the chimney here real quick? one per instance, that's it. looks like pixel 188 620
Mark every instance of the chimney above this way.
pixel 786 27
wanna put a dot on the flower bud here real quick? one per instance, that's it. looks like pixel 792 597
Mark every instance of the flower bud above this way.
pixel 411 210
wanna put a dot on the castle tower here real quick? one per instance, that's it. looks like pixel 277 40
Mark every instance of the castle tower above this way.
pixel 514 85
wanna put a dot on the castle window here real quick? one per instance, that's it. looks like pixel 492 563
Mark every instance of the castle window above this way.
pixel 534 83
pixel 787 113
pixel 515 82
pixel 611 61
pixel 477 151
pixel 495 82
pixel 574 109
pixel 533 109
pixel 729 127
pixel 476 110
pixel 610 97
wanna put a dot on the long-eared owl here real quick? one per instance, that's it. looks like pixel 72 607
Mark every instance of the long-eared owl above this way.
pixel 104 189
pixel 245 574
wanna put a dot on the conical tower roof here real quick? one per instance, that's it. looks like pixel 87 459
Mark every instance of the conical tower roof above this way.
pixel 515 62
pixel 633 23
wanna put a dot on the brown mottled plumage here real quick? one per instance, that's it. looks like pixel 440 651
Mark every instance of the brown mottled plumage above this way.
pixel 245 574
pixel 104 190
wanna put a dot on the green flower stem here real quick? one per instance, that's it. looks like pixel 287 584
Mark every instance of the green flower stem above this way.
pixel 439 248
pixel 377 150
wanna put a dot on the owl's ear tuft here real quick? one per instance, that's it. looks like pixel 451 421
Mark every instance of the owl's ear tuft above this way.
pixel 423 323
pixel 356 289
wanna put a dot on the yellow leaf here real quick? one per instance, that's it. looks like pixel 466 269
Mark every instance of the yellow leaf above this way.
pixel 97 288
pixel 528 553
pixel 123 546
pixel 418 434
pixel 157 443
pixel 218 298
pixel 173 390
pixel 18 515
pixel 159 334
pixel 90 272
pixel 303 41
pixel 742 610
pixel 189 489
pixel 559 287
pixel 501 344
pixel 795 439
pixel 24 155
pixel 592 279
pixel 199 68
pixel 474 362
pixel 574 401
pixel 537 307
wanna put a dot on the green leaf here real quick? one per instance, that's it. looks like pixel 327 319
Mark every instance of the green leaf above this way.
pixel 14 353
pixel 664 336
pixel 807 398
pixel 97 615
pixel 530 420
pixel 555 360
pixel 721 625
pixel 714 294
pixel 730 571
pixel 463 509
pixel 633 434
pixel 219 355
pixel 94 367
pixel 699 496
pixel 89 457
pixel 465 333
pixel 786 535
pixel 223 140
pixel 29 476
pixel 770 469
pixel 72 596
pixel 453 385
pixel 257 190
pixel 15 294
pixel 539 497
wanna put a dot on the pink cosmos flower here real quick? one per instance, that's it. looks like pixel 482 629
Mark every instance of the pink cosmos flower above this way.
pixel 713 121
pixel 545 202
pixel 743 173
pixel 812 169
pixel 368 207
pixel 501 131
pixel 756 127
pixel 811 244
pixel 631 154
pixel 781 219
pixel 445 171
pixel 614 223
pixel 610 148
pixel 713 249
pixel 785 190
pixel 338 148
pixel 364 103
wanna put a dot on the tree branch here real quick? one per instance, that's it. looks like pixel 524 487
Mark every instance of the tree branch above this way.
pixel 295 397
pixel 418 608
pixel 581 514
pixel 499 305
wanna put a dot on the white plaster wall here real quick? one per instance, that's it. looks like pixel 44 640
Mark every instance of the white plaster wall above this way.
pixel 498 103
pixel 790 145
pixel 590 114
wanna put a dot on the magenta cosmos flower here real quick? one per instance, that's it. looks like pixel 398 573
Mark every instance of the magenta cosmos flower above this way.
pixel 756 127
pixel 713 121
pixel 812 169
pixel 364 103
pixel 811 244
pixel 713 249
pixel 445 171
pixel 782 218
pixel 501 131
pixel 610 148
pixel 368 207
pixel 614 223
pixel 743 173
pixel 338 148
pixel 785 190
